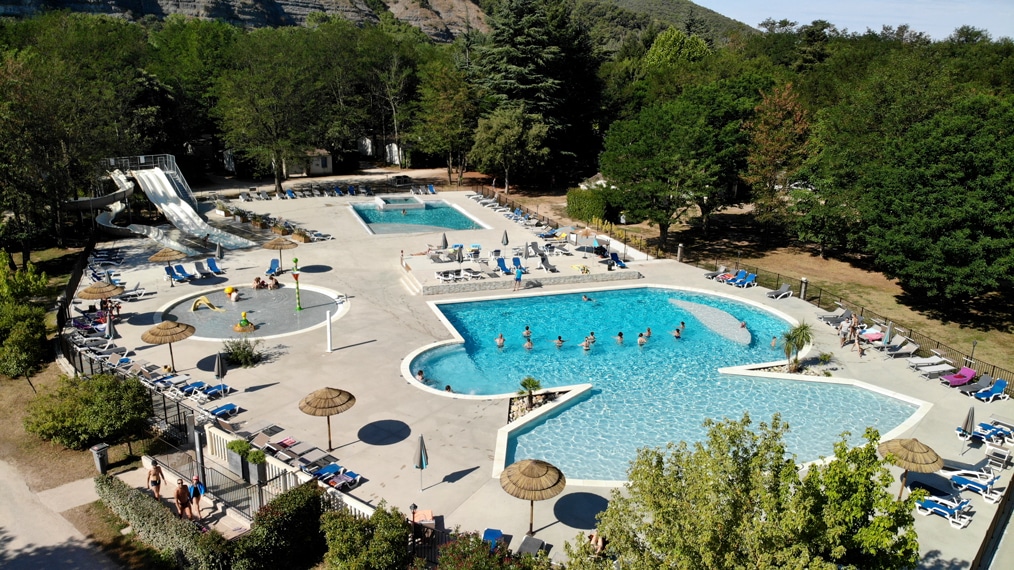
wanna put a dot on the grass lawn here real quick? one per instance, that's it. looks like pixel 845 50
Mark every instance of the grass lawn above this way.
pixel 103 527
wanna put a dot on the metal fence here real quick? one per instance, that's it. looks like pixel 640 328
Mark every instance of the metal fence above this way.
pixel 828 301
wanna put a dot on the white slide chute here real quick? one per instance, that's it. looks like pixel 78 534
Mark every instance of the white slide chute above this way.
pixel 161 191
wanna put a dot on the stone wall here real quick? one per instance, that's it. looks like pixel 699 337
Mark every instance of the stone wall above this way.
pixel 442 20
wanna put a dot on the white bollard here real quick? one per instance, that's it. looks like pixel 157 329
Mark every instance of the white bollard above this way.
pixel 328 327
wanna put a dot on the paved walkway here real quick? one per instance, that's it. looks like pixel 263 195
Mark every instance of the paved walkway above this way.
pixel 386 323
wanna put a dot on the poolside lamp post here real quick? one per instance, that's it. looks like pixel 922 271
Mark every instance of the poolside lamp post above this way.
pixel 971 357
pixel 295 275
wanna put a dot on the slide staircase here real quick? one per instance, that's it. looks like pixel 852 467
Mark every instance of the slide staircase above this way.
pixel 168 195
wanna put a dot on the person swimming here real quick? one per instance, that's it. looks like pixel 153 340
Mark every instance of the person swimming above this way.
pixel 591 337
pixel 500 341
pixel 527 333
pixel 559 341
pixel 619 338
pixel 677 334
pixel 641 339
pixel 647 333
pixel 585 298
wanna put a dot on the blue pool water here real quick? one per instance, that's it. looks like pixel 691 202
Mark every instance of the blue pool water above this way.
pixel 643 396
pixel 435 216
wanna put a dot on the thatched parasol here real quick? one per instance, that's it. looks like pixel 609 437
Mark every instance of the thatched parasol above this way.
pixel 168 332
pixel 100 290
pixel 279 244
pixel 168 255
pixel 911 455
pixel 532 480
pixel 327 402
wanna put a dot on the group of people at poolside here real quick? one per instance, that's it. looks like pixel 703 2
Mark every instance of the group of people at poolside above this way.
pixel 848 333
pixel 642 338
pixel 269 283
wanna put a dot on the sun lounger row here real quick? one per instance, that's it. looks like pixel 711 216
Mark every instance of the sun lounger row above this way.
pixel 338 477
pixel 324 191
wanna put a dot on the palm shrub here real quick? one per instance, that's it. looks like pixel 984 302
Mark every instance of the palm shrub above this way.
pixel 796 339
pixel 529 385
pixel 242 352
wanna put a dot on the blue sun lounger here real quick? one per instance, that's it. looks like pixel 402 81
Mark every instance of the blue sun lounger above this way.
pixel 192 387
pixel 213 266
pixel 274 268
pixel 172 275
pixel 984 488
pixel 225 411
pixel 183 272
pixel 217 391
pixel 290 194
pixel 993 392
pixel 502 266
pixel 431 189
pixel 616 259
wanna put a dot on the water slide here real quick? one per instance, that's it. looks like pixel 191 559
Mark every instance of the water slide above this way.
pixel 167 198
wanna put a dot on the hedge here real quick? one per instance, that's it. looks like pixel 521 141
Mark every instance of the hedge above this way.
pixel 157 526
pixel 586 205
pixel 377 543
pixel 286 532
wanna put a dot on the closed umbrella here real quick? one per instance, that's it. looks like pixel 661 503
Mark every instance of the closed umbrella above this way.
pixel 911 455
pixel 459 256
pixel 280 244
pixel 969 426
pixel 168 332
pixel 505 241
pixel 889 333
pixel 219 252
pixel 110 328
pixel 422 459
pixel 220 366
pixel 327 402
pixel 443 241
pixel 532 480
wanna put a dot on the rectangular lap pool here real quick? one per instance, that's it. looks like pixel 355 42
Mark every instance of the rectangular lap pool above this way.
pixel 414 217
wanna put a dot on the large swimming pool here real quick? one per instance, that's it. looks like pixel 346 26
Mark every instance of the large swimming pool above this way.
pixel 433 216
pixel 644 395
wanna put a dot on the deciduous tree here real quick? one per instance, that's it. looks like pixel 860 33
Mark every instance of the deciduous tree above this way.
pixel 510 140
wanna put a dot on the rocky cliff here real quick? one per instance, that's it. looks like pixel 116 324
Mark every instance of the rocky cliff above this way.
pixel 440 19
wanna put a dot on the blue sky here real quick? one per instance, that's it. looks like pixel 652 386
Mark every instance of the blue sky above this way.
pixel 938 18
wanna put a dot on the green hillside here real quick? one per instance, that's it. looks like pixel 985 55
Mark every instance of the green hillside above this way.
pixel 677 12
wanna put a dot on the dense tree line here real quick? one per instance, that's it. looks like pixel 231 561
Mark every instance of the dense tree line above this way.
pixel 882 143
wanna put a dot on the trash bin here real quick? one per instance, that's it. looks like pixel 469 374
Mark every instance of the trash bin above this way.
pixel 609 265
pixel 100 452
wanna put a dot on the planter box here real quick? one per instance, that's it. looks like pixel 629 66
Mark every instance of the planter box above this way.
pixel 241 219
pixel 223 213
pixel 280 231
pixel 259 225
pixel 300 239
pixel 238 465
pixel 258 473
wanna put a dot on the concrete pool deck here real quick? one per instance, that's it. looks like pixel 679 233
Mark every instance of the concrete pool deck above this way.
pixel 387 320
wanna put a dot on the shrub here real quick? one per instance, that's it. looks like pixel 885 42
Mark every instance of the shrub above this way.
pixel 256 456
pixel 377 543
pixel 286 532
pixel 160 528
pixel 242 352
pixel 240 447
pixel 84 411
pixel 586 204
pixel 22 337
